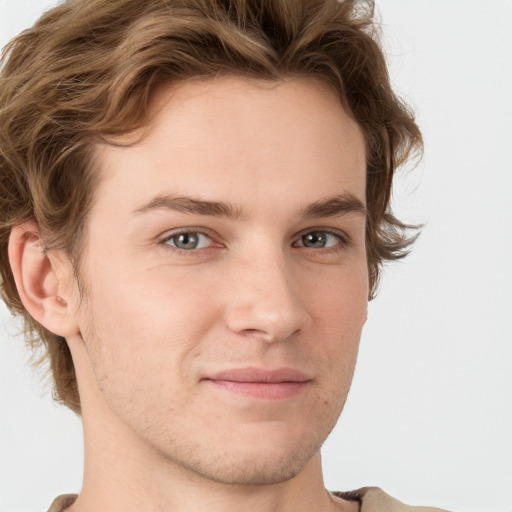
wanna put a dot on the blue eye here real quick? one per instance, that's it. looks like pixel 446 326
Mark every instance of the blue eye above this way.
pixel 320 240
pixel 188 241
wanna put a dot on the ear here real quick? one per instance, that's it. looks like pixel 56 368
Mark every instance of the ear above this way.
pixel 44 281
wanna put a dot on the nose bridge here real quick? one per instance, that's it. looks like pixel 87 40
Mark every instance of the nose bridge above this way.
pixel 265 301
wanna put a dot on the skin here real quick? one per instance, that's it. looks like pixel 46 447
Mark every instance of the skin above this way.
pixel 268 286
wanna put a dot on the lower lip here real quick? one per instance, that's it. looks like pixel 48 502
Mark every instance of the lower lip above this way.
pixel 262 390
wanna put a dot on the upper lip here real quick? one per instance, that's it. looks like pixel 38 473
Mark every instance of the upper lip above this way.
pixel 253 374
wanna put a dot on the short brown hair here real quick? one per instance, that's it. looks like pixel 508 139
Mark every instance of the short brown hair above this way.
pixel 87 71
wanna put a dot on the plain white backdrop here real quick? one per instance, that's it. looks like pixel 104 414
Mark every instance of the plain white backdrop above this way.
pixel 429 416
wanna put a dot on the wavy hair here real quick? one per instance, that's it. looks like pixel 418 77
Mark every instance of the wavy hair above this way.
pixel 87 71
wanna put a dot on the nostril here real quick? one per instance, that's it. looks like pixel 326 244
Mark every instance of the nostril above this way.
pixel 271 333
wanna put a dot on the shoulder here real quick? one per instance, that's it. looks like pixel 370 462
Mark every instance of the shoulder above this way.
pixel 374 499
pixel 62 502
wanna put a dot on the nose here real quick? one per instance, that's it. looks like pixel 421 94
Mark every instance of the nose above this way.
pixel 264 300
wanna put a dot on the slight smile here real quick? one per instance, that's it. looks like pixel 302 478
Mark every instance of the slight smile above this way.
pixel 258 383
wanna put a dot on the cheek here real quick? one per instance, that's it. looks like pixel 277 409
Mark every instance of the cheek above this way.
pixel 165 302
pixel 148 326
pixel 143 337
pixel 340 299
pixel 339 314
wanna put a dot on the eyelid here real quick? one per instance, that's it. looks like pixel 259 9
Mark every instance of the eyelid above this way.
pixel 164 238
pixel 179 231
pixel 345 239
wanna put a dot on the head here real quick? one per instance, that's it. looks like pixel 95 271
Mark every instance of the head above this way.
pixel 96 88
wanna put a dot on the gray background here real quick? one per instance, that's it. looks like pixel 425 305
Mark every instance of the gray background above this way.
pixel 429 416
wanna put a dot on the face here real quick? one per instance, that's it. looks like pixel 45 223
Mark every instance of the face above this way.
pixel 226 277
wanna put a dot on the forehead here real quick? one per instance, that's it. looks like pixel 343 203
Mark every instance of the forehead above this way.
pixel 220 136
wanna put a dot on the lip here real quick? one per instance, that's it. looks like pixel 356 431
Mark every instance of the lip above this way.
pixel 260 383
pixel 254 374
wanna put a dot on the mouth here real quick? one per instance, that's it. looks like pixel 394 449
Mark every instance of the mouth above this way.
pixel 259 383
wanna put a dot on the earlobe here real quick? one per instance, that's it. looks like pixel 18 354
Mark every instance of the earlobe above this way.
pixel 40 280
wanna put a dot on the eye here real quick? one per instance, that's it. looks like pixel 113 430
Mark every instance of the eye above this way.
pixel 188 240
pixel 320 240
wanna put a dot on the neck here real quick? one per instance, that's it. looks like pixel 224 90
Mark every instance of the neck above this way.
pixel 120 474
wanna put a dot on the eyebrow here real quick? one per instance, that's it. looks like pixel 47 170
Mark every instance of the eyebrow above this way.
pixel 335 206
pixel 187 204
pixel 332 206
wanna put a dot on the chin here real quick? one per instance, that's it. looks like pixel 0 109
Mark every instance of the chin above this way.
pixel 254 470
pixel 253 463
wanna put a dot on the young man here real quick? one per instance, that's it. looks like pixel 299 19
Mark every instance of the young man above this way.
pixel 194 213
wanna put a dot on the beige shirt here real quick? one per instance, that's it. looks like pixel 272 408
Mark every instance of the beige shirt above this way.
pixel 372 499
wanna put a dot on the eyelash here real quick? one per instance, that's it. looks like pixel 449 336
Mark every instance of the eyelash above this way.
pixel 343 238
pixel 344 241
pixel 182 252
